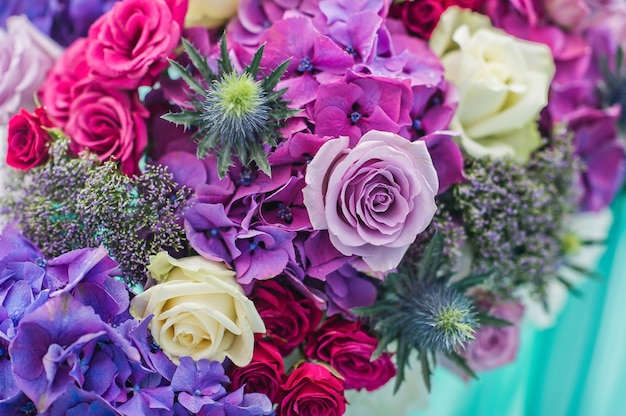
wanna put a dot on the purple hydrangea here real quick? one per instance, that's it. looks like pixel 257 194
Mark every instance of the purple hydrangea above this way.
pixel 64 343
pixel 62 20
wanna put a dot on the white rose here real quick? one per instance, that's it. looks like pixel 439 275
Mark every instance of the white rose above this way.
pixel 210 13
pixel 199 310
pixel 502 82
pixel 26 55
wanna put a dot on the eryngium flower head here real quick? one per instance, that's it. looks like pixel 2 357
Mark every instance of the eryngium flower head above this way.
pixel 232 112
pixel 438 319
pixel 421 311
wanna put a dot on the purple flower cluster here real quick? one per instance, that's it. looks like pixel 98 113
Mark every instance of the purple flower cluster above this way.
pixel 62 20
pixel 350 72
pixel 69 346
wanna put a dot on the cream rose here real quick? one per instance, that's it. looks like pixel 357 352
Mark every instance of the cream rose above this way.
pixel 502 82
pixel 210 13
pixel 199 310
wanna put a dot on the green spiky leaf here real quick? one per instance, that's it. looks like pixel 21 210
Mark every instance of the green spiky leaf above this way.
pixel 193 83
pixel 488 320
pixel 199 62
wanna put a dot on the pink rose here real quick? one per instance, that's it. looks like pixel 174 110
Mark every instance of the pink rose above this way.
pixel 495 347
pixel 109 123
pixel 58 92
pixel 26 55
pixel 127 47
pixel 373 199
pixel 349 350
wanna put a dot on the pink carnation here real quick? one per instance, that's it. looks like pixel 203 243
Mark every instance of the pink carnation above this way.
pixel 127 47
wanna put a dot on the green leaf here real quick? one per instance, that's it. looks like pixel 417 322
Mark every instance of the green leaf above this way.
pixel 426 371
pixel 431 262
pixel 223 162
pixel 198 61
pixel 187 77
pixel 470 281
pixel 270 82
pixel 225 63
pixel 569 286
pixel 253 68
pixel 186 118
pixel 488 320
pixel 462 364
pixel 258 155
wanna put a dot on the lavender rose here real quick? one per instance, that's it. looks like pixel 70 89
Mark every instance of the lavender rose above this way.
pixel 25 56
pixel 495 347
pixel 373 199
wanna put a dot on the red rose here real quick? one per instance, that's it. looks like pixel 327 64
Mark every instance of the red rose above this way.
pixel 264 374
pixel 127 46
pixel 465 4
pixel 27 140
pixel 312 389
pixel 288 316
pixel 349 350
pixel 58 92
pixel 420 16
pixel 109 123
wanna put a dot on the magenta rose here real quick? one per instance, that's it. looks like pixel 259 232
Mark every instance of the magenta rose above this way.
pixel 312 390
pixel 349 349
pixel 373 199
pixel 58 92
pixel 27 140
pixel 288 317
pixel 264 374
pixel 127 47
pixel 493 346
pixel 109 123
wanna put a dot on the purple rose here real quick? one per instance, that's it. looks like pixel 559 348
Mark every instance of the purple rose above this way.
pixel 495 347
pixel 25 56
pixel 373 199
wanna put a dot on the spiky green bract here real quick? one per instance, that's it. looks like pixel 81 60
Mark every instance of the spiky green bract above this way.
pixel 419 310
pixel 234 114
pixel 515 216
pixel 72 203
pixel 613 86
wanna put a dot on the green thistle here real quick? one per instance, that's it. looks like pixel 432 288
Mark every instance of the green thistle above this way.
pixel 233 113
pixel 420 311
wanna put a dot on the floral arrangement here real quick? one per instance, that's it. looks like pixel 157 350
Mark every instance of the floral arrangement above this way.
pixel 263 207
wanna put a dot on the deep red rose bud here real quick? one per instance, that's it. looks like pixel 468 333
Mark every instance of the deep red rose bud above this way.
pixel 288 316
pixel 264 374
pixel 27 140
pixel 311 390
pixel 420 16
pixel 349 350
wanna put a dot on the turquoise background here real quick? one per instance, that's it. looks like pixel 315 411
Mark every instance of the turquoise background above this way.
pixel 577 367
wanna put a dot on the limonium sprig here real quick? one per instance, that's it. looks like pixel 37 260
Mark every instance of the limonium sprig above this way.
pixel 71 203
pixel 421 311
pixel 235 114
pixel 515 215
